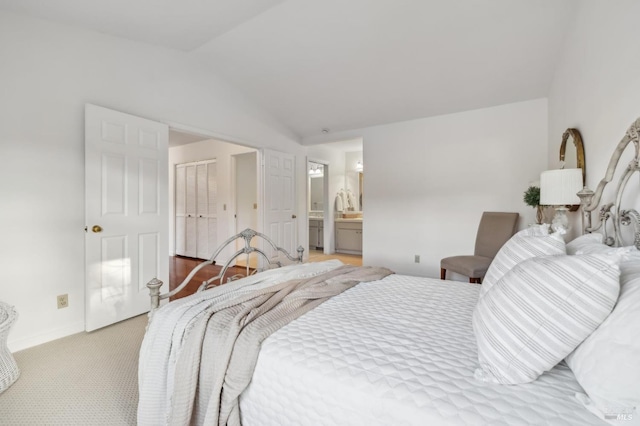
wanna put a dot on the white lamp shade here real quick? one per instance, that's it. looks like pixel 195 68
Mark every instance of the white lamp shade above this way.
pixel 559 187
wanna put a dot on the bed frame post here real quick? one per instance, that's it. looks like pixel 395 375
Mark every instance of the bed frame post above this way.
pixel 154 291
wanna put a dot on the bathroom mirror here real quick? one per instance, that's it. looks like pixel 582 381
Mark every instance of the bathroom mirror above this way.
pixel 572 155
pixel 316 187
pixel 315 191
pixel 354 184
pixel 361 186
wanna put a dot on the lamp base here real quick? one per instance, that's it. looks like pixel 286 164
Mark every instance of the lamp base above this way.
pixel 539 215
pixel 560 222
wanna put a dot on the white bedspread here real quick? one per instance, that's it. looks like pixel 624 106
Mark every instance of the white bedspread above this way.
pixel 399 351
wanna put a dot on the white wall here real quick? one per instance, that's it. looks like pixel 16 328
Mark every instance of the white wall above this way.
pixel 207 150
pixel 429 180
pixel 596 88
pixel 48 73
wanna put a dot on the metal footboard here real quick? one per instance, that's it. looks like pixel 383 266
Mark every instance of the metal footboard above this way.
pixel 247 235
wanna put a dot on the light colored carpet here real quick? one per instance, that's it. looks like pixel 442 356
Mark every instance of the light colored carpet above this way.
pixel 84 379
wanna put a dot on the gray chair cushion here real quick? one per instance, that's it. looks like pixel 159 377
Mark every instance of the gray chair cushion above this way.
pixel 470 266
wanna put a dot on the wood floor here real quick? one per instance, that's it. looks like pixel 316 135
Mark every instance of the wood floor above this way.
pixel 180 267
pixel 349 259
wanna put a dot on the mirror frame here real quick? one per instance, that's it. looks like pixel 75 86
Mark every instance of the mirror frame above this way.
pixel 580 161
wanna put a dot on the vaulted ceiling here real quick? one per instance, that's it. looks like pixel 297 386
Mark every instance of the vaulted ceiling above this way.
pixel 343 64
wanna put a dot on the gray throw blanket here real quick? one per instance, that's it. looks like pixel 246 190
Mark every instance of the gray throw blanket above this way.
pixel 218 357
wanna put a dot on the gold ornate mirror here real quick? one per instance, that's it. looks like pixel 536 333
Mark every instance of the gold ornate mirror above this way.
pixel 572 155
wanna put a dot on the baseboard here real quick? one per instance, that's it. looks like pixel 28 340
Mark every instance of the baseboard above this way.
pixel 38 339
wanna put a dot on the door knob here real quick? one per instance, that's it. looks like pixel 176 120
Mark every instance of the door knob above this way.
pixel 96 228
pixel 293 216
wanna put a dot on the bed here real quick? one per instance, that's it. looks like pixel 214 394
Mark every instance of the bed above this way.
pixel 399 350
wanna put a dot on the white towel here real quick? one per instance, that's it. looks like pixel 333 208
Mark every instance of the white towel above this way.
pixel 339 203
pixel 351 200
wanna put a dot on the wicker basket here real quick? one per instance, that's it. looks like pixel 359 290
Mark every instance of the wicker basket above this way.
pixel 9 371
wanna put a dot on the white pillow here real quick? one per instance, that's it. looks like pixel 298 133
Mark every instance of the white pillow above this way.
pixel 582 241
pixel 531 242
pixel 598 248
pixel 607 363
pixel 539 312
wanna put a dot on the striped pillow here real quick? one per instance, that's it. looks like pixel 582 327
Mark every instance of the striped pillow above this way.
pixel 539 312
pixel 531 242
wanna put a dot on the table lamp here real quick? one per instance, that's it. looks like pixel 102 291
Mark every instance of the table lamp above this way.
pixel 559 188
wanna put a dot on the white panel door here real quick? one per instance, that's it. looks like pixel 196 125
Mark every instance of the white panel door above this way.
pixel 195 210
pixel 191 230
pixel 212 209
pixel 279 192
pixel 126 211
pixel 202 212
pixel 180 200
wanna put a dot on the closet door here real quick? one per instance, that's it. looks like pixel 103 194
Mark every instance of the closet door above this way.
pixel 212 207
pixel 206 209
pixel 181 193
pixel 196 209
pixel 191 230
pixel 202 242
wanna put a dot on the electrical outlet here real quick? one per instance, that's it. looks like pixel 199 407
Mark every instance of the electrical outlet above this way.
pixel 63 301
pixel 417 258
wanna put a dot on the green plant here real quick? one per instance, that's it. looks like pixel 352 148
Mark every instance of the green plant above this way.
pixel 532 196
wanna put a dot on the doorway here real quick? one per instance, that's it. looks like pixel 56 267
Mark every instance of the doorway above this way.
pixel 191 147
pixel 343 210
pixel 120 258
pixel 316 203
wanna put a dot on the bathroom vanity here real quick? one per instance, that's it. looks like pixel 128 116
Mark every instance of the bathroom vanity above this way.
pixel 316 233
pixel 348 235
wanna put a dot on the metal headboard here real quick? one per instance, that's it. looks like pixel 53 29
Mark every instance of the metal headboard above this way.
pixel 247 235
pixel 589 200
